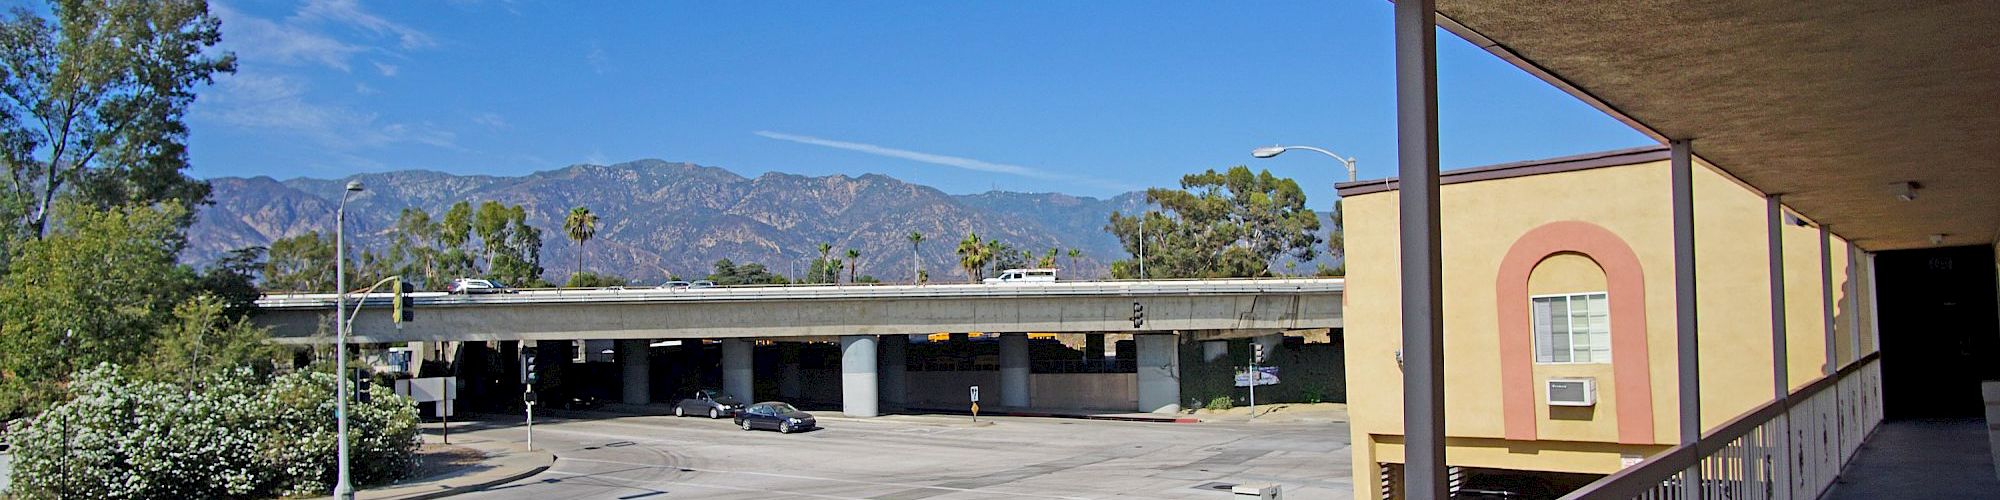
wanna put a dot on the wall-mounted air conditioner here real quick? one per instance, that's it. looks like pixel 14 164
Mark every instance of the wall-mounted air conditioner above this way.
pixel 1572 392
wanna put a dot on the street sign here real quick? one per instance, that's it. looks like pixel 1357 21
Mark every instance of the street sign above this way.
pixel 975 394
pixel 1264 375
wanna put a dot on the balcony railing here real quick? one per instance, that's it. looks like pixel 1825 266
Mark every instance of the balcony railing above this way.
pixel 1786 449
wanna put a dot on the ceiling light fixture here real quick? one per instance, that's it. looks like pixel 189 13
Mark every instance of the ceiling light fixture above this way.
pixel 1937 239
pixel 1908 191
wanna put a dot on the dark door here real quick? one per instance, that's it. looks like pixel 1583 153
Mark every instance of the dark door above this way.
pixel 1940 330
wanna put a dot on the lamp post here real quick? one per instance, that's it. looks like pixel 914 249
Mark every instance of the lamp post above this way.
pixel 1270 151
pixel 343 489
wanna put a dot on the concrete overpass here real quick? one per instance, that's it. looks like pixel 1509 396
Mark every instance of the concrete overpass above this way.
pixel 853 314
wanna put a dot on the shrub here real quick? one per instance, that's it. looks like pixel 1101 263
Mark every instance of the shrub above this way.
pixel 1221 403
pixel 230 436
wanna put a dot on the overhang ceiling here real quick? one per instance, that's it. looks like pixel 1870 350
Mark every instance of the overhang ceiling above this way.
pixel 1832 104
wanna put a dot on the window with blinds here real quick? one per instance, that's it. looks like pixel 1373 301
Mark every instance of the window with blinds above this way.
pixel 1572 328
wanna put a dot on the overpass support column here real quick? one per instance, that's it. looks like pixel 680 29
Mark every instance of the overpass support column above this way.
pixel 738 366
pixel 1014 370
pixel 857 376
pixel 1093 347
pixel 638 369
pixel 1159 372
pixel 788 370
pixel 1212 350
pixel 894 352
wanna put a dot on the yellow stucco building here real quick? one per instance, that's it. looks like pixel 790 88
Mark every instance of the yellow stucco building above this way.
pixel 1563 269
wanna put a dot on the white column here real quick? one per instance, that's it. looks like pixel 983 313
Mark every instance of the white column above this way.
pixel 1687 331
pixel 1159 363
pixel 1014 370
pixel 638 371
pixel 857 376
pixel 738 368
pixel 894 352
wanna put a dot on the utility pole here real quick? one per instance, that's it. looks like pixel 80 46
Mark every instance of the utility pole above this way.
pixel 343 489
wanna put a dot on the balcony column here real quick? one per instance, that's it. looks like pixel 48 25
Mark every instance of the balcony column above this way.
pixel 1424 476
pixel 1781 384
pixel 1686 338
pixel 1826 298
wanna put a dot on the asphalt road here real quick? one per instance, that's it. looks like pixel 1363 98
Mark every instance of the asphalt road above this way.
pixel 917 457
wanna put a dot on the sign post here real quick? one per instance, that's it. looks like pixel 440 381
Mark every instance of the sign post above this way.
pixel 975 403
pixel 529 398
pixel 1256 354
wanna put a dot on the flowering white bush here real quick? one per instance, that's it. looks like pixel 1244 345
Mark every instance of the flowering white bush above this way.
pixel 225 437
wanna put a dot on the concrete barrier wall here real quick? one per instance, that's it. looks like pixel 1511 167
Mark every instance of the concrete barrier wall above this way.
pixel 1087 391
pixel 949 389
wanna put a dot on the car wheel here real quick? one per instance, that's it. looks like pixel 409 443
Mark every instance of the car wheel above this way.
pixel 785 428
pixel 714 413
pixel 680 412
pixel 746 424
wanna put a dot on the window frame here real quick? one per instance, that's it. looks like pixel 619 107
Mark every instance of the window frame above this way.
pixel 1535 334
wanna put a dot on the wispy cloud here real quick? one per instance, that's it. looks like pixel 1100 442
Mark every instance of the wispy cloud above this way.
pixel 349 12
pixel 946 160
pixel 386 68
pixel 277 103
pixel 262 40
pixel 598 60
pixel 490 120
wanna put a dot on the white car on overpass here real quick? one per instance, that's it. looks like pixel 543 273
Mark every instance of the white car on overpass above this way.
pixel 1036 275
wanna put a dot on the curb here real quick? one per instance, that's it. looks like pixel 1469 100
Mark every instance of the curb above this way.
pixel 531 471
pixel 1080 416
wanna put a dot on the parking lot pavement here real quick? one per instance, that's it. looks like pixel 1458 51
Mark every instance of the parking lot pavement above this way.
pixel 907 458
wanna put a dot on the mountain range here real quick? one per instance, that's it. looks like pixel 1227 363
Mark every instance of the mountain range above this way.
pixel 660 219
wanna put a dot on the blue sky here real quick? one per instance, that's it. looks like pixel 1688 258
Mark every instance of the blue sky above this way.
pixel 1090 98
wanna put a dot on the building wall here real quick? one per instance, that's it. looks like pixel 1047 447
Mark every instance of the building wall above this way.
pixel 1486 221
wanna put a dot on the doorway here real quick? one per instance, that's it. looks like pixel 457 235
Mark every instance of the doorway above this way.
pixel 1940 326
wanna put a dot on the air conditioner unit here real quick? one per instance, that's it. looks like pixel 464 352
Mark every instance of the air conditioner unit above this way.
pixel 1572 392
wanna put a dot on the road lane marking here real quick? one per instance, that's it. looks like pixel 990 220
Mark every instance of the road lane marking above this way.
pixel 817 478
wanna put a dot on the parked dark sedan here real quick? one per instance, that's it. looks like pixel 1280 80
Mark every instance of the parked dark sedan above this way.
pixel 775 415
pixel 708 402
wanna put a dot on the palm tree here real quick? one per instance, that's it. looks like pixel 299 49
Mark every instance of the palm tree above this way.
pixel 825 249
pixel 972 256
pixel 993 249
pixel 1073 255
pixel 1048 259
pixel 853 263
pixel 916 257
pixel 581 226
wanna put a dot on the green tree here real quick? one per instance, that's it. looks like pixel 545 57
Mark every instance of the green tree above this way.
pixel 1048 259
pixel 302 263
pixel 1336 244
pixel 1219 224
pixel 203 341
pixel 94 100
pixel 455 258
pixel 1074 255
pixel 916 257
pixel 107 278
pixel 972 256
pixel 818 272
pixel 729 273
pixel 853 263
pixel 580 226
pixel 232 279
pixel 414 249
pixel 594 280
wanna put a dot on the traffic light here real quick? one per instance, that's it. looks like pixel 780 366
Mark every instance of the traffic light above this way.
pixel 361 383
pixel 405 304
pixel 528 375
pixel 1138 315
pixel 1257 352
pixel 579 351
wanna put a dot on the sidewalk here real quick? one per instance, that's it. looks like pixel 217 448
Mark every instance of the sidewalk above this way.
pixel 1314 413
pixel 505 462
pixel 1066 413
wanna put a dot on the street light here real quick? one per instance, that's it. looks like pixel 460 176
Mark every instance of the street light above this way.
pixel 344 489
pixel 1270 151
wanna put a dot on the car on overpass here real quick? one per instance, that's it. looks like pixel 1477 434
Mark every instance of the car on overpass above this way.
pixel 776 416
pixel 475 285
pixel 708 402
pixel 1036 275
